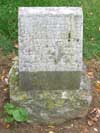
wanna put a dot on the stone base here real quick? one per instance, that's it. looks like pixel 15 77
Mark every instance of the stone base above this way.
pixel 51 106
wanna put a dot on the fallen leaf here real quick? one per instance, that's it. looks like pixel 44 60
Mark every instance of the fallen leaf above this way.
pixel 94 119
pixel 7 126
pixel 98 111
pixel 51 126
pixel 51 132
pixel 95 129
pixel 98 85
pixel 93 111
pixel 90 75
pixel 90 123
pixel 5 89
pixel 93 116
pixel 6 80
pixel 16 45
pixel 2 77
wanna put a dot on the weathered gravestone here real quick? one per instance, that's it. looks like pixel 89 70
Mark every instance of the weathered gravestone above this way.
pixel 50 81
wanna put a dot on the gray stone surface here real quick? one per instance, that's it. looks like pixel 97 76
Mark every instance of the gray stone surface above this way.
pixel 51 106
pixel 50 45
pixel 49 80
pixel 50 39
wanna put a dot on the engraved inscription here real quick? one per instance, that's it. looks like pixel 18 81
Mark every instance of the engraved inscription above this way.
pixel 50 42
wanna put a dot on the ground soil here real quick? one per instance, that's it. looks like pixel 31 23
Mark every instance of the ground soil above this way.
pixel 73 126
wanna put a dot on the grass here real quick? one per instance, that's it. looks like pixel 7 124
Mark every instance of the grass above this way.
pixel 9 20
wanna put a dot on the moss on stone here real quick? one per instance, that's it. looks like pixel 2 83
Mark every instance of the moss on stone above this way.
pixel 13 78
pixel 49 106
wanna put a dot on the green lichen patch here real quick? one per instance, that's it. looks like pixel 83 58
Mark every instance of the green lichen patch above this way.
pixel 50 106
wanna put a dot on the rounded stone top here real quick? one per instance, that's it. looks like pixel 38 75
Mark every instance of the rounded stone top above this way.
pixel 50 10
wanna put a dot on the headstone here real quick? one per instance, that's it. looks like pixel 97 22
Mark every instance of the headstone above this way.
pixel 50 81
pixel 50 47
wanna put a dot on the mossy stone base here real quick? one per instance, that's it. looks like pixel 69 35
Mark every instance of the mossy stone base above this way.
pixel 50 106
